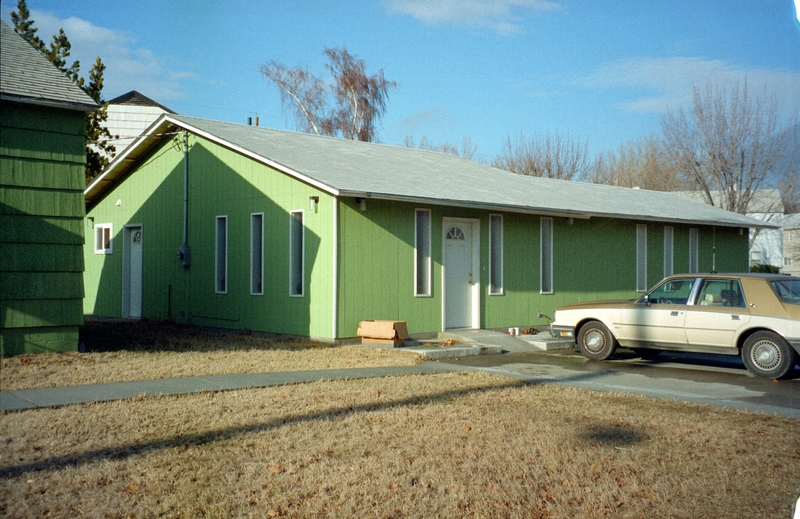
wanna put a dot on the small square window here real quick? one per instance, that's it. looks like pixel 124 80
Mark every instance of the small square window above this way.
pixel 103 242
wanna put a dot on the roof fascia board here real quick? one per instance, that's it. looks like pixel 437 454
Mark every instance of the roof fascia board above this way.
pixel 122 162
pixel 545 211
pixel 258 158
pixel 49 103
pixel 465 203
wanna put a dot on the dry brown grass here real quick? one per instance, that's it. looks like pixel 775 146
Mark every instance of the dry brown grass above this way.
pixel 142 350
pixel 453 445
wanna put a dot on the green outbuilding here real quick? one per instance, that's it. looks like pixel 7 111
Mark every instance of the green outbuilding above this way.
pixel 42 156
pixel 248 228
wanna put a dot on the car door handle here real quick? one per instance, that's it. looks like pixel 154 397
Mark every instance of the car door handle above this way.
pixel 735 318
pixel 675 313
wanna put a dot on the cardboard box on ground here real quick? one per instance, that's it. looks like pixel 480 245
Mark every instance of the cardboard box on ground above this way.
pixel 392 333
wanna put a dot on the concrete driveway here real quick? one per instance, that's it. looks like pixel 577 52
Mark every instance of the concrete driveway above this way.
pixel 715 380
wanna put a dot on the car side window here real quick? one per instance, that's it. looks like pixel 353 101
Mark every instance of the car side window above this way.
pixel 726 293
pixel 672 292
pixel 788 290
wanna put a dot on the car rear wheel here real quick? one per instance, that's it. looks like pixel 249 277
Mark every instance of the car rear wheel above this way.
pixel 767 355
pixel 595 341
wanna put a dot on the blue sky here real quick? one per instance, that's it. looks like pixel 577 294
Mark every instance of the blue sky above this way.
pixel 602 71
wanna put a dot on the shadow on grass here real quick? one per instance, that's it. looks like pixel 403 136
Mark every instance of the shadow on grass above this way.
pixel 105 335
pixel 612 435
pixel 135 449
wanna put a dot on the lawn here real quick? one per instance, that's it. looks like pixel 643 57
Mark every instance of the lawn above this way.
pixel 146 350
pixel 451 445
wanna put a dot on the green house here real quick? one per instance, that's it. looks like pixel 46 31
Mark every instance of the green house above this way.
pixel 42 155
pixel 242 227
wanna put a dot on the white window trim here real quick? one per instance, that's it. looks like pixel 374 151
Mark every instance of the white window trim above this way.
pixel 641 268
pixel 260 265
pixel 492 243
pixel 694 250
pixel 302 253
pixel 216 254
pixel 101 247
pixel 541 256
pixel 429 267
pixel 669 250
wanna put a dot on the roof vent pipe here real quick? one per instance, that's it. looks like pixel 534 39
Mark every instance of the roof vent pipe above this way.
pixel 256 120
pixel 249 121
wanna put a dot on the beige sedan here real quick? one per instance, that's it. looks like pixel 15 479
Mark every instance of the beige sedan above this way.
pixel 756 316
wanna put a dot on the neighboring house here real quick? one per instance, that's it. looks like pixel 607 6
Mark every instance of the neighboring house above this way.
pixel 766 245
pixel 297 234
pixel 129 115
pixel 42 156
pixel 791 244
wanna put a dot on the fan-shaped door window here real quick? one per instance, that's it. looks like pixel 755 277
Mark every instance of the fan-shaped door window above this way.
pixel 455 233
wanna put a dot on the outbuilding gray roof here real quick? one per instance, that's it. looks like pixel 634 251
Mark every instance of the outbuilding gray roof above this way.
pixel 28 77
pixel 357 169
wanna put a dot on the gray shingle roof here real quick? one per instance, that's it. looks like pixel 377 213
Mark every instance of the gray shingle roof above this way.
pixel 28 77
pixel 138 99
pixel 358 169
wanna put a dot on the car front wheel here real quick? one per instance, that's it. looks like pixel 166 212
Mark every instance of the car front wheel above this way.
pixel 595 341
pixel 767 355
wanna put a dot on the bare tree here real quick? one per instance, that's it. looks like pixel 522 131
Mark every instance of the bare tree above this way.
pixel 789 183
pixel 551 156
pixel 466 148
pixel 358 101
pixel 728 145
pixel 642 163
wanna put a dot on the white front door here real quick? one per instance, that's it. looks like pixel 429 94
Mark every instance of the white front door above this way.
pixel 460 274
pixel 132 273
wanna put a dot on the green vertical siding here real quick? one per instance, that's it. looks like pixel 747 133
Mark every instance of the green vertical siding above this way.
pixel 41 228
pixel 593 259
pixel 222 183
pixel 376 266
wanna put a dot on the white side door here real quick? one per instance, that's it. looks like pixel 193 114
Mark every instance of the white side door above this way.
pixel 460 274
pixel 132 273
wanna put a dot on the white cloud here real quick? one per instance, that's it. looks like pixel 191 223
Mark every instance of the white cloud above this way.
pixel 128 66
pixel 502 16
pixel 661 83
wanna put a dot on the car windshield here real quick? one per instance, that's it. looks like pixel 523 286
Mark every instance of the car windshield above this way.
pixel 672 292
pixel 788 290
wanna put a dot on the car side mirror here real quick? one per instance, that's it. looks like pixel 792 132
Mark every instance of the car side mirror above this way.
pixel 646 300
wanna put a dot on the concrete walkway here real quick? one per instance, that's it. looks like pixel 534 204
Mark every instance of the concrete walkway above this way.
pixel 60 396
pixel 485 342
pixel 467 343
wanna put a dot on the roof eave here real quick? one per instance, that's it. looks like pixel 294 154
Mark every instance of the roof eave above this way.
pixel 545 211
pixel 49 103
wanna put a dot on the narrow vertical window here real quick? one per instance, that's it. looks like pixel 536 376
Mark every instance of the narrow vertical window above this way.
pixel 546 247
pixel 296 252
pixel 221 261
pixel 102 239
pixel 422 252
pixel 668 255
pixel 496 254
pixel 641 258
pixel 257 253
pixel 694 247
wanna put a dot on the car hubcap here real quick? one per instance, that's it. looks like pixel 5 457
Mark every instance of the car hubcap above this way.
pixel 594 341
pixel 765 355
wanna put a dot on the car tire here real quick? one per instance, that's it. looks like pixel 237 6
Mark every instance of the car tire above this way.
pixel 768 355
pixel 595 341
